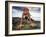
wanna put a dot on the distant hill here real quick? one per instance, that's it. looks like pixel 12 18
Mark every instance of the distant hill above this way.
pixel 18 18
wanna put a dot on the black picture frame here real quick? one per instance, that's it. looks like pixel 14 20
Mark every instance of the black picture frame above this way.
pixel 6 18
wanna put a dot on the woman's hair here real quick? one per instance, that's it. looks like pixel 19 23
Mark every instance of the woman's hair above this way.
pixel 25 9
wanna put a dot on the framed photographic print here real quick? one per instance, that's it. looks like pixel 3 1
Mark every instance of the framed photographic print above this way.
pixel 24 18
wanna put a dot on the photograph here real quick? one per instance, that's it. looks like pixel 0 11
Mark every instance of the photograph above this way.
pixel 24 18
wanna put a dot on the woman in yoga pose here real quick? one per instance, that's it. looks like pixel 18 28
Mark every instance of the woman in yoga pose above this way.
pixel 26 16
